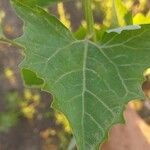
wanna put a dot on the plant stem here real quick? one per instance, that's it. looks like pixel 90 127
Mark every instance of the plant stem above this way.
pixel 87 6
pixel 4 40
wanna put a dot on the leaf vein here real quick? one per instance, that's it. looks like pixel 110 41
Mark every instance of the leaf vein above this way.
pixel 105 105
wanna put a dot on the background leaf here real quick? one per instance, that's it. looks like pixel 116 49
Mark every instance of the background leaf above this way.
pixel 30 78
pixel 121 14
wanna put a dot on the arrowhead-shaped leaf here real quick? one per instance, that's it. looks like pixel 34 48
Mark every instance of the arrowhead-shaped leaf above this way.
pixel 90 82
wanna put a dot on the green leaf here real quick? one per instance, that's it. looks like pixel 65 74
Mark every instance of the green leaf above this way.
pixel 30 78
pixel 90 82
pixel 80 33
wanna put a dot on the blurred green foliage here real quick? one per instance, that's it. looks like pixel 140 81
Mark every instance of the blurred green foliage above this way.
pixel 18 106
pixel 123 12
pixel 10 116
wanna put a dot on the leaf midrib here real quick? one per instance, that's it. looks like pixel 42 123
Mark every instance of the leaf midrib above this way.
pixel 84 88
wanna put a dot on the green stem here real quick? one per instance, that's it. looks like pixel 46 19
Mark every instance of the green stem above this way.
pixel 7 41
pixel 87 6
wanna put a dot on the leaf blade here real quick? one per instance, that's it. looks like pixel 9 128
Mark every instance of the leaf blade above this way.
pixel 90 82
